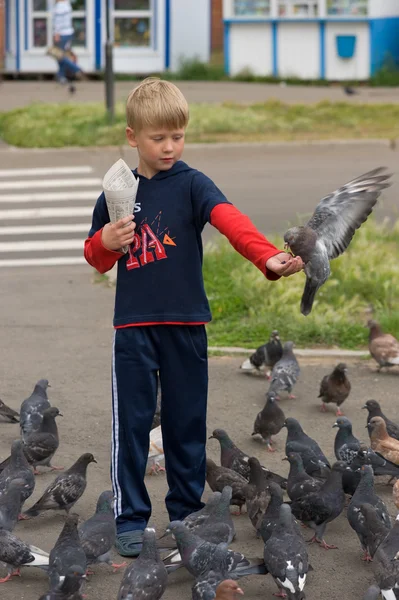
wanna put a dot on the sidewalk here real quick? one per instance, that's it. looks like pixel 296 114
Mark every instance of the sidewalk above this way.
pixel 15 94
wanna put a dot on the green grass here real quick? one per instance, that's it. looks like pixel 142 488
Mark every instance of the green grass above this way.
pixel 59 125
pixel 246 307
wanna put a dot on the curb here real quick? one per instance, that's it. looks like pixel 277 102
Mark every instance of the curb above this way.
pixel 304 352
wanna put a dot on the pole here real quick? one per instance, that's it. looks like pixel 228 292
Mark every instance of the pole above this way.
pixel 109 69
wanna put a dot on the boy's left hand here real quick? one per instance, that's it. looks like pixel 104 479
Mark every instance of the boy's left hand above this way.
pixel 284 264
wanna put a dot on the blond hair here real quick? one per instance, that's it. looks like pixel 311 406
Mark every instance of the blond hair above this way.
pixel 156 103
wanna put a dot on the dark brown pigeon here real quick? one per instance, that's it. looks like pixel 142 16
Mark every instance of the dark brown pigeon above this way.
pixel 257 493
pixel 384 348
pixel 269 421
pixel 220 477
pixel 335 388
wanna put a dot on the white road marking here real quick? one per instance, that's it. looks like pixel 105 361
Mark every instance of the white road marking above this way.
pixel 43 262
pixel 41 245
pixel 46 171
pixel 49 183
pixel 34 229
pixel 46 213
pixel 50 196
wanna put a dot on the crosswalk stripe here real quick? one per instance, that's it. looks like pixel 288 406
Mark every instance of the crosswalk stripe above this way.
pixel 46 213
pixel 35 229
pixel 41 171
pixel 50 183
pixel 41 245
pixel 43 262
pixel 50 197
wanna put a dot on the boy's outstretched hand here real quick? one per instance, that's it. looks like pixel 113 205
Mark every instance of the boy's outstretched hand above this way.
pixel 284 264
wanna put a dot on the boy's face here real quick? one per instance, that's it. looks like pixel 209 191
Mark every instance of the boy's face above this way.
pixel 159 149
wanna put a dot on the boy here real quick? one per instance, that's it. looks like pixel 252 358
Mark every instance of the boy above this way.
pixel 161 308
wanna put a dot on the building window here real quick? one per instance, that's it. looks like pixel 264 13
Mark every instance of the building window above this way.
pixel 347 7
pixel 79 23
pixel 251 8
pixel 296 8
pixel 41 23
pixel 133 23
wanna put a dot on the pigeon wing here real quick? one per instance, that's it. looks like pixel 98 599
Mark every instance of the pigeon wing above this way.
pixel 338 215
pixel 96 538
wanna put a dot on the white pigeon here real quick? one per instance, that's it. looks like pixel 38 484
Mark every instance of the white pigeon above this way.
pixel 155 452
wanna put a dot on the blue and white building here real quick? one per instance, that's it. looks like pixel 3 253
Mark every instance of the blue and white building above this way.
pixel 310 39
pixel 150 35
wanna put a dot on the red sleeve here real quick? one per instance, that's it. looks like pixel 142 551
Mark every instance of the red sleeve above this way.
pixel 244 237
pixel 98 256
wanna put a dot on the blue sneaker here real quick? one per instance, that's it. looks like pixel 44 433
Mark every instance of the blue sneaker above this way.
pixel 129 543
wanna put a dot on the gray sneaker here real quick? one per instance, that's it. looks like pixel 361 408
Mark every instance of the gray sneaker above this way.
pixel 129 543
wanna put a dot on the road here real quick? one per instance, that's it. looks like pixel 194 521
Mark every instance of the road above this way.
pixel 47 197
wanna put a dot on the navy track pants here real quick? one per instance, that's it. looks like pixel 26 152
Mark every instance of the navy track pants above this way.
pixel 179 353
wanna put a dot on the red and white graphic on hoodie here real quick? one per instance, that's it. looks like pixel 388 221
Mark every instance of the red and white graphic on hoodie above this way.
pixel 147 246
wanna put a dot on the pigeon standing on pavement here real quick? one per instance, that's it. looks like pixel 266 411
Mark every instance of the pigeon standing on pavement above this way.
pixel 320 508
pixel 299 482
pixel 269 421
pixel 65 490
pixel 285 372
pixel 11 503
pixel 374 410
pixel 70 587
pixel 346 446
pixel 272 514
pixel 8 413
pixel 18 468
pixel 330 230
pixel 257 493
pixel 199 517
pixel 381 442
pixel 314 460
pixel 146 577
pixel 31 412
pixel 219 477
pixel 15 553
pixel 375 530
pixel 214 583
pixel 66 553
pixel 235 459
pixel 266 355
pixel 97 534
pixel 365 494
pixel 335 388
pixel 385 563
pixel 286 556
pixel 383 347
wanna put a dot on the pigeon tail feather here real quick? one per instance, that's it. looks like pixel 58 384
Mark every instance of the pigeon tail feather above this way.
pixel 308 297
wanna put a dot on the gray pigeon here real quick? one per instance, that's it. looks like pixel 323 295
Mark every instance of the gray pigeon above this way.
pixel 31 412
pixel 66 553
pixel 272 514
pixel 97 534
pixel 70 587
pixel 320 508
pixel 373 593
pixel 11 503
pixel 207 585
pixel 266 355
pixel 330 230
pixel 314 460
pixel 199 517
pixel 233 458
pixel 286 556
pixel 197 555
pixel 375 530
pixel 374 410
pixel 285 372
pixel 15 553
pixel 299 482
pixel 385 564
pixel 18 468
pixel 365 494
pixel 257 493
pixel 220 477
pixel 346 446
pixel 65 490
pixel 270 420
pixel 335 388
pixel 8 413
pixel 146 577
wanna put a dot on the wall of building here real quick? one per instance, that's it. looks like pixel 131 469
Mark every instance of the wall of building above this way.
pixel 190 31
pixel 298 50
pixel 356 67
pixel 250 47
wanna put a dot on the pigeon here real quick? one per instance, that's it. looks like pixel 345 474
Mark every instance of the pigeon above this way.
pixel 11 503
pixel 320 508
pixel 155 452
pixel 214 583
pixel 15 553
pixel 350 91
pixel 65 490
pixel 346 446
pixel 8 413
pixel 286 556
pixel 272 514
pixel 97 534
pixel 31 412
pixel 330 230
pixel 197 555
pixel 257 493
pixel 381 442
pixel 266 355
pixel 146 577
pixel 373 593
pixel 386 565
pixel 299 482
pixel 365 494
pixel 199 517
pixel 314 460
pixel 381 466
pixel 18 468
pixel 383 347
pixel 66 553
pixel 374 410
pixel 269 421
pixel 70 588
pixel 235 459
pixel 375 530
pixel 218 477
pixel 285 372
pixel 335 388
